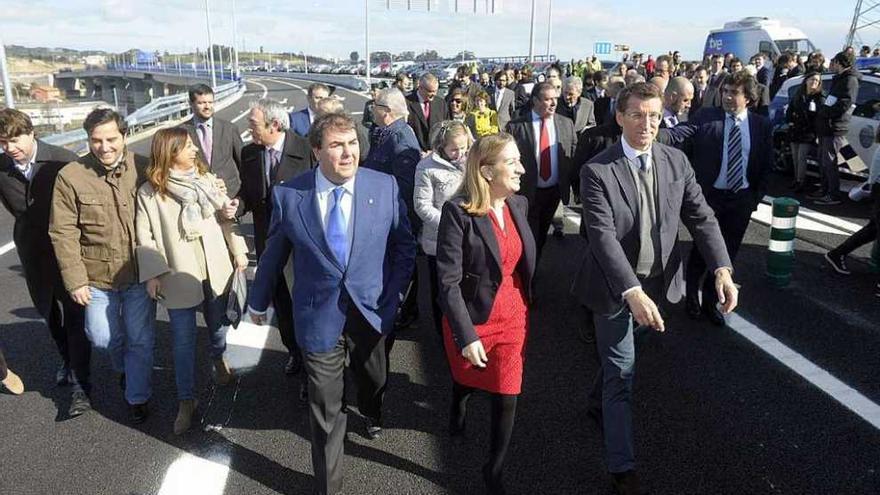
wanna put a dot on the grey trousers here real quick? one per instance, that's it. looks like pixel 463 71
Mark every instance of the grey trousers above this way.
pixel 614 381
pixel 799 152
pixel 829 146
pixel 363 350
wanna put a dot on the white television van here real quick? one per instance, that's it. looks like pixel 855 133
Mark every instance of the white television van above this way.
pixel 751 35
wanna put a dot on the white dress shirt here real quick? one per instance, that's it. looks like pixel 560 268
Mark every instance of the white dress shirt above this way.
pixel 27 169
pixel 554 150
pixel 670 118
pixel 267 157
pixel 311 115
pixel 324 192
pixel 632 156
pixel 742 120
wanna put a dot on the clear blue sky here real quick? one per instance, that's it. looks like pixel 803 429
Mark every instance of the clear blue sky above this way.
pixel 336 27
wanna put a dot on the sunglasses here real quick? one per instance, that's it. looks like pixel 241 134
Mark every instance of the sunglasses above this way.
pixel 456 101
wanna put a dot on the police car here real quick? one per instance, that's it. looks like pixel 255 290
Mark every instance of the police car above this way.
pixel 855 157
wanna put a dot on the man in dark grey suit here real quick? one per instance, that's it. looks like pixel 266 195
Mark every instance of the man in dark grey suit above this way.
pixel 546 145
pixel 574 106
pixel 28 168
pixel 635 194
pixel 219 141
pixel 277 155
pixel 502 99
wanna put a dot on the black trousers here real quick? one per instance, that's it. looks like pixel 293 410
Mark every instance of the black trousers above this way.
pixel 436 312
pixel 67 324
pixel 362 350
pixel 4 370
pixel 867 234
pixel 733 211
pixel 541 214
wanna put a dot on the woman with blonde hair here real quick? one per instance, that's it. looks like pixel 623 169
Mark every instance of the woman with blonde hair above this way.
pixel 438 178
pixel 485 264
pixel 187 244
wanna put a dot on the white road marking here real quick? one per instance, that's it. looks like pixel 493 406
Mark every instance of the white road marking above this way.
pixel 764 215
pixel 821 379
pixel 265 92
pixel 815 216
pixel 9 246
pixel 190 474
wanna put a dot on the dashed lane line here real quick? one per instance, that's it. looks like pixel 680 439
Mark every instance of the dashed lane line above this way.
pixel 9 246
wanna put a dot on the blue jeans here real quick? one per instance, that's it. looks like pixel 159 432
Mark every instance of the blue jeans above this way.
pixel 121 322
pixel 614 383
pixel 183 330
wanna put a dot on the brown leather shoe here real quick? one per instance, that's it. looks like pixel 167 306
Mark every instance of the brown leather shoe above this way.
pixel 222 374
pixel 13 383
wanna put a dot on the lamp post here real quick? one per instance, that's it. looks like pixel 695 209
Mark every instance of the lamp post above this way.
pixel 210 43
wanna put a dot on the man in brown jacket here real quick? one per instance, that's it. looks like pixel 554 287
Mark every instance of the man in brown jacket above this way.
pixel 93 235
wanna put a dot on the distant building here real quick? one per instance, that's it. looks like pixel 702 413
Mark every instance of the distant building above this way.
pixel 95 60
pixel 45 94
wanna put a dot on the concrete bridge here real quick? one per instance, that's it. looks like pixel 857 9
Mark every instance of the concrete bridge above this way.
pixel 126 88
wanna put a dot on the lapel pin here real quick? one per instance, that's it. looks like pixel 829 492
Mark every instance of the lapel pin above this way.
pixel 370 201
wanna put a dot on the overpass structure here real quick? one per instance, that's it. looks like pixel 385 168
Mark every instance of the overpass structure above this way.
pixel 127 88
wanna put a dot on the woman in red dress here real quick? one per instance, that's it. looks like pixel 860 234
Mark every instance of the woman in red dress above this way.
pixel 485 263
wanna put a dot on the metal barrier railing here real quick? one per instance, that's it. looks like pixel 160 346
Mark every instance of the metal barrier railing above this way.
pixel 158 110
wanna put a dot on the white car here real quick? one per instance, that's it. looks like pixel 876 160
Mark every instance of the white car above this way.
pixel 862 126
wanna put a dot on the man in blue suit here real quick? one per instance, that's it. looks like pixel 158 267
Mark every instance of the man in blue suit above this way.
pixel 353 255
pixel 301 121
pixel 731 149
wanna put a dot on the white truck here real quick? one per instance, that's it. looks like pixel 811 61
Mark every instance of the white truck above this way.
pixel 751 35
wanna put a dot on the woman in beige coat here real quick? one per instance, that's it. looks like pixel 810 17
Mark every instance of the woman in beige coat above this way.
pixel 187 250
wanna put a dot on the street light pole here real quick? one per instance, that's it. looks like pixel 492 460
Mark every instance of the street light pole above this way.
pixel 234 44
pixel 549 26
pixel 210 43
pixel 7 86
pixel 532 35
pixel 367 36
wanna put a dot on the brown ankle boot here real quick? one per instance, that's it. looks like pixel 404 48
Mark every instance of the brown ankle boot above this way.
pixel 222 374
pixel 185 412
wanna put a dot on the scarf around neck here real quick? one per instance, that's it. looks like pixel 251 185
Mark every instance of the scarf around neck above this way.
pixel 199 199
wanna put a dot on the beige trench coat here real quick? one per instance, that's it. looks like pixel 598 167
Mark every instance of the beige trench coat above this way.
pixel 163 252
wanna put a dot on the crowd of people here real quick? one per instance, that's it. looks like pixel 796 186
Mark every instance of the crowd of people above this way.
pixel 471 180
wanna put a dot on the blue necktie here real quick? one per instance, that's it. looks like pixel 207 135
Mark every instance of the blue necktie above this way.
pixel 734 157
pixel 337 234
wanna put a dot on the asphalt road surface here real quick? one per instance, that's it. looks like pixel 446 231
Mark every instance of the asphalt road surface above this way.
pixel 783 400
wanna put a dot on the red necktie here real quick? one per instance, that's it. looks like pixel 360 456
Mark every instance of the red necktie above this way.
pixel 427 110
pixel 545 151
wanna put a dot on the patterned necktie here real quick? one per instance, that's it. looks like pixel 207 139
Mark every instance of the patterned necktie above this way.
pixel 207 141
pixel 275 157
pixel 734 157
pixel 545 151
pixel 337 234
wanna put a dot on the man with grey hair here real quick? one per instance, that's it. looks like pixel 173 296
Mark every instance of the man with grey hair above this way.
pixel 425 109
pixel 395 150
pixel 276 155
pixel 659 82
pixel 677 101
pixel 574 106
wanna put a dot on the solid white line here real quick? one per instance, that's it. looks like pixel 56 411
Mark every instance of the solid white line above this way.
pixel 821 379
pixel 190 474
pixel 265 92
pixel 9 246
